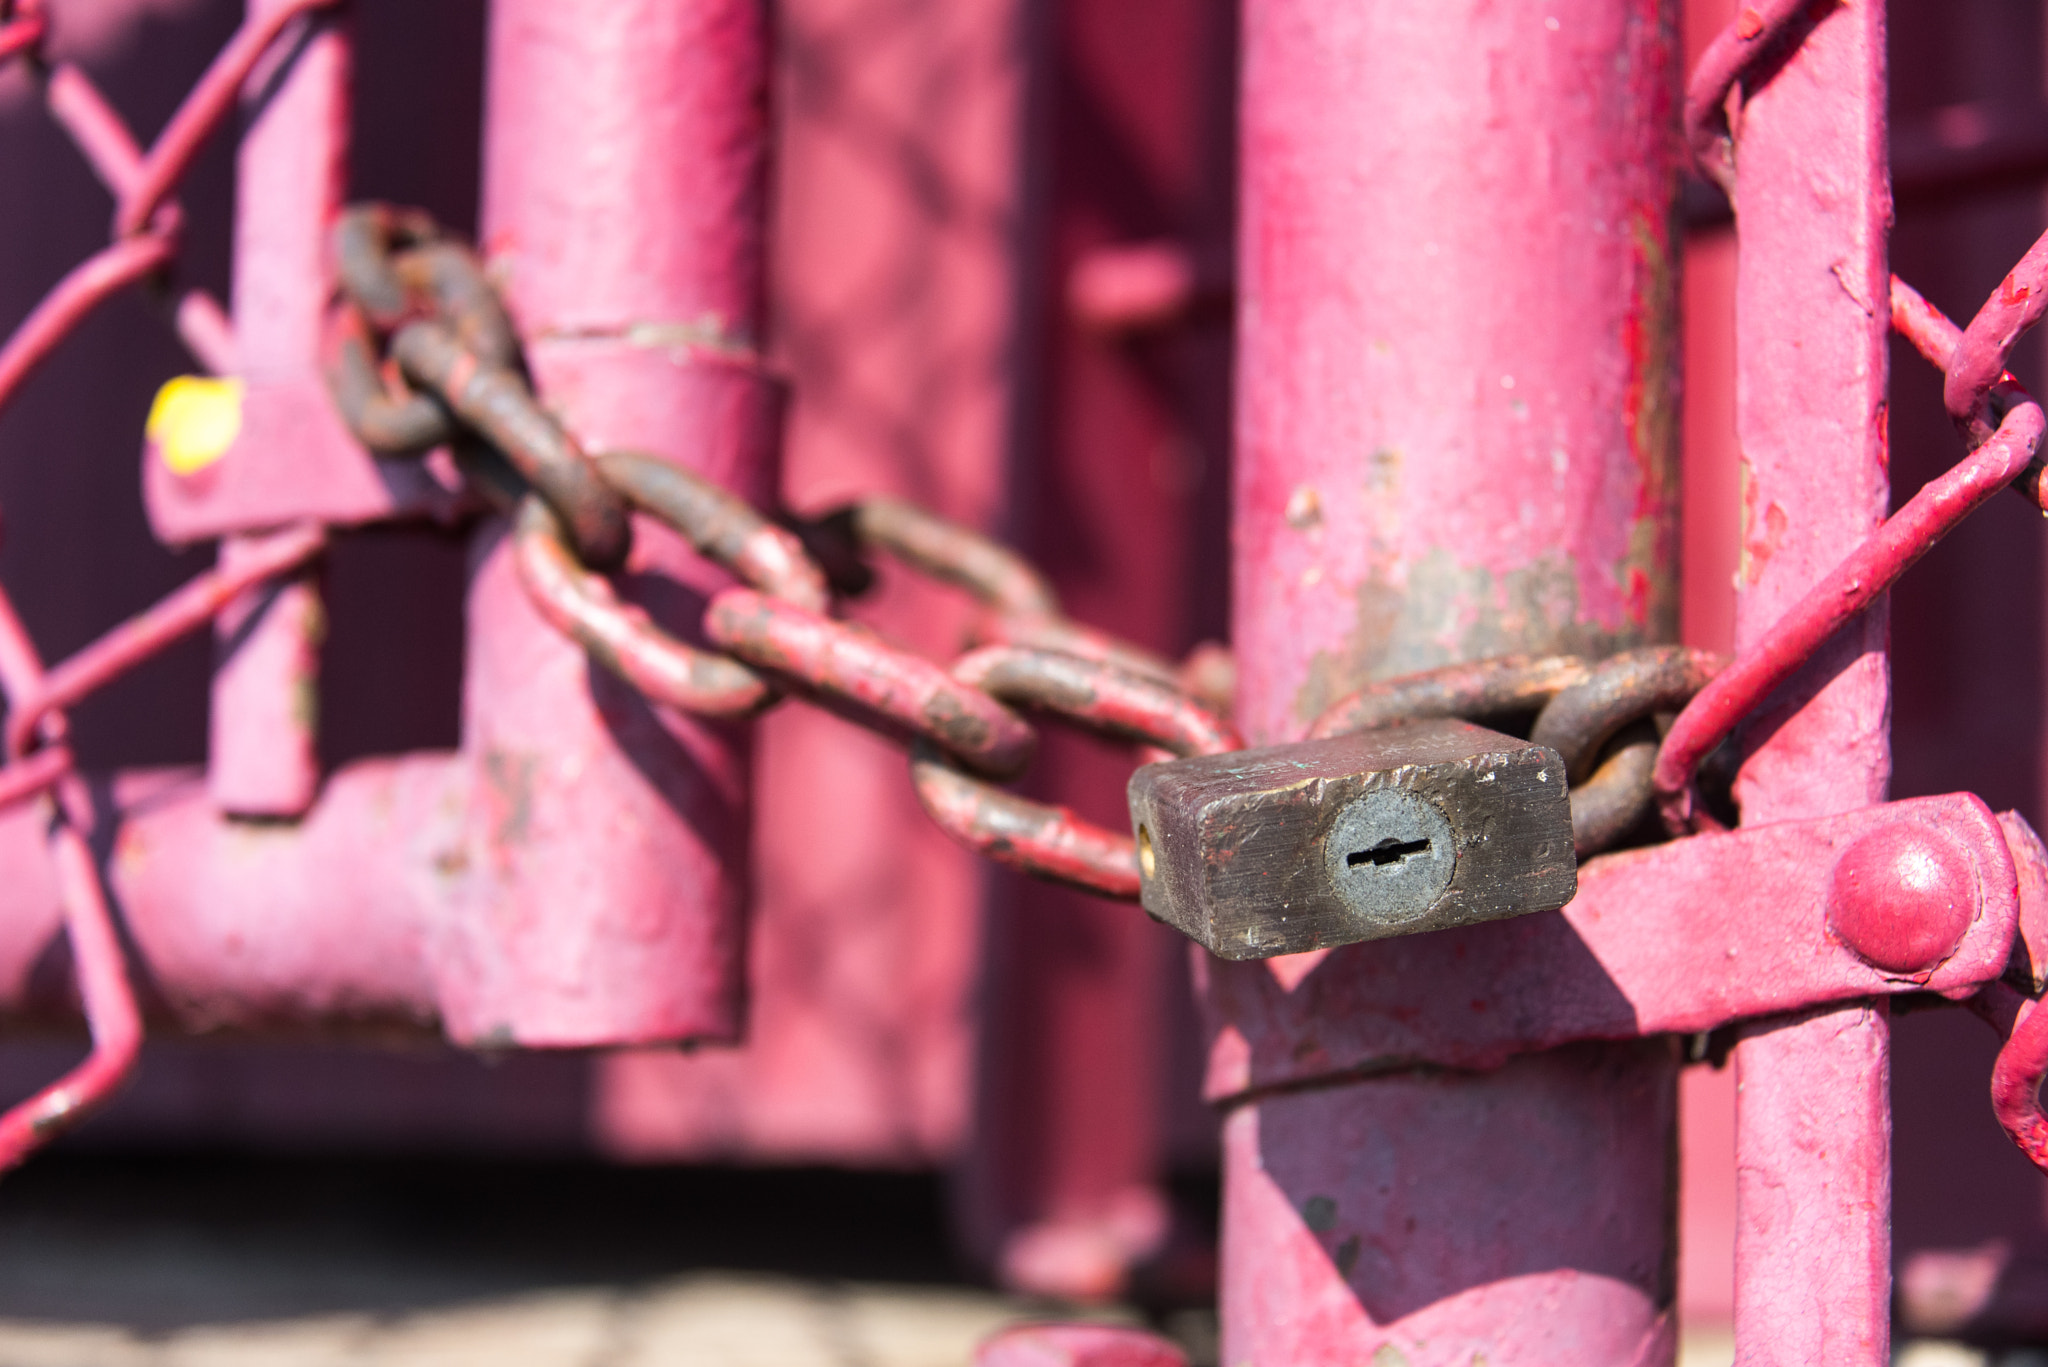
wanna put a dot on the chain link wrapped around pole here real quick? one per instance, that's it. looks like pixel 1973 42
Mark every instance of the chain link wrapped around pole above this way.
pixel 404 281
pixel 1032 836
pixel 1594 713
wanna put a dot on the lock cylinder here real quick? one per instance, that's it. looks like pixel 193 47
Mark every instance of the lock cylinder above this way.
pixel 1388 832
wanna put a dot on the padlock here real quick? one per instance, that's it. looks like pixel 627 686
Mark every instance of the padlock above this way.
pixel 1388 832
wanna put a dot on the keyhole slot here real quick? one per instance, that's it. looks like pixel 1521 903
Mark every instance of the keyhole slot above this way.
pixel 1388 851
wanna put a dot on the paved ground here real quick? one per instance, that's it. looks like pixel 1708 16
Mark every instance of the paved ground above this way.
pixel 1716 1348
pixel 707 1319
pixel 222 1262
pixel 226 1262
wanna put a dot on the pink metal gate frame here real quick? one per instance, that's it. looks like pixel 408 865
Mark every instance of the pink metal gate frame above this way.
pixel 1812 208
pixel 1813 1120
pixel 1444 1147
pixel 567 941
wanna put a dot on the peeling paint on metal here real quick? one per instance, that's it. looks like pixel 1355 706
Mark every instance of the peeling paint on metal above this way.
pixel 1445 612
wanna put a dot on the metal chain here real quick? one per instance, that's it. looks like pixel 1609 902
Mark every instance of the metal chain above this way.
pixel 449 340
pixel 1599 715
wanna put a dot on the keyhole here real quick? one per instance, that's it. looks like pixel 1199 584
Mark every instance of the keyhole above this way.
pixel 1390 856
pixel 1388 851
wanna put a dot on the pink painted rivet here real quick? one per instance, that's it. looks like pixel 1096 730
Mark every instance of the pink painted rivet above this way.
pixel 1902 897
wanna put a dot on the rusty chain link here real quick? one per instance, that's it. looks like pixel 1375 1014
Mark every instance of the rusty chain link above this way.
pixel 1052 842
pixel 1596 714
pixel 405 284
pixel 449 342
pixel 457 379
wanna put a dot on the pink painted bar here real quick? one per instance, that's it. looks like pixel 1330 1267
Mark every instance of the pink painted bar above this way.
pixel 625 152
pixel 260 925
pixel 1454 1251
pixel 1456 438
pixel 262 754
pixel 1672 939
pixel 291 176
pixel 1813 1129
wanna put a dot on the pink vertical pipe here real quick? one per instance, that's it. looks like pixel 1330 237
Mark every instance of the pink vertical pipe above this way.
pixel 862 910
pixel 262 757
pixel 291 176
pixel 1074 1136
pixel 1455 438
pixel 624 155
pixel 1813 1132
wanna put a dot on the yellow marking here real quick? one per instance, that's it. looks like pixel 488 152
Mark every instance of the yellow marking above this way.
pixel 193 421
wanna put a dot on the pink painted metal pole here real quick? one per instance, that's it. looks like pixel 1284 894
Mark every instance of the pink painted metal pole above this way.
pixel 624 159
pixel 262 759
pixel 1455 439
pixel 1126 451
pixel 862 909
pixel 291 177
pixel 1813 1129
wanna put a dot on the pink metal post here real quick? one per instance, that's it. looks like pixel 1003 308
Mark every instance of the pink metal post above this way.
pixel 1813 1126
pixel 292 176
pixel 624 160
pixel 1124 453
pixel 1456 436
pixel 894 318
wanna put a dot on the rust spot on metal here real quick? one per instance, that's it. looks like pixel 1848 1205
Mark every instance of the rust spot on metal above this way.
pixel 1650 340
pixel 1449 612
pixel 1304 510
pixel 1762 532
pixel 954 725
pixel 508 788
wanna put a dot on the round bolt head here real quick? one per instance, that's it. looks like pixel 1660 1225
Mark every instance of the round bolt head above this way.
pixel 1391 854
pixel 1902 897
